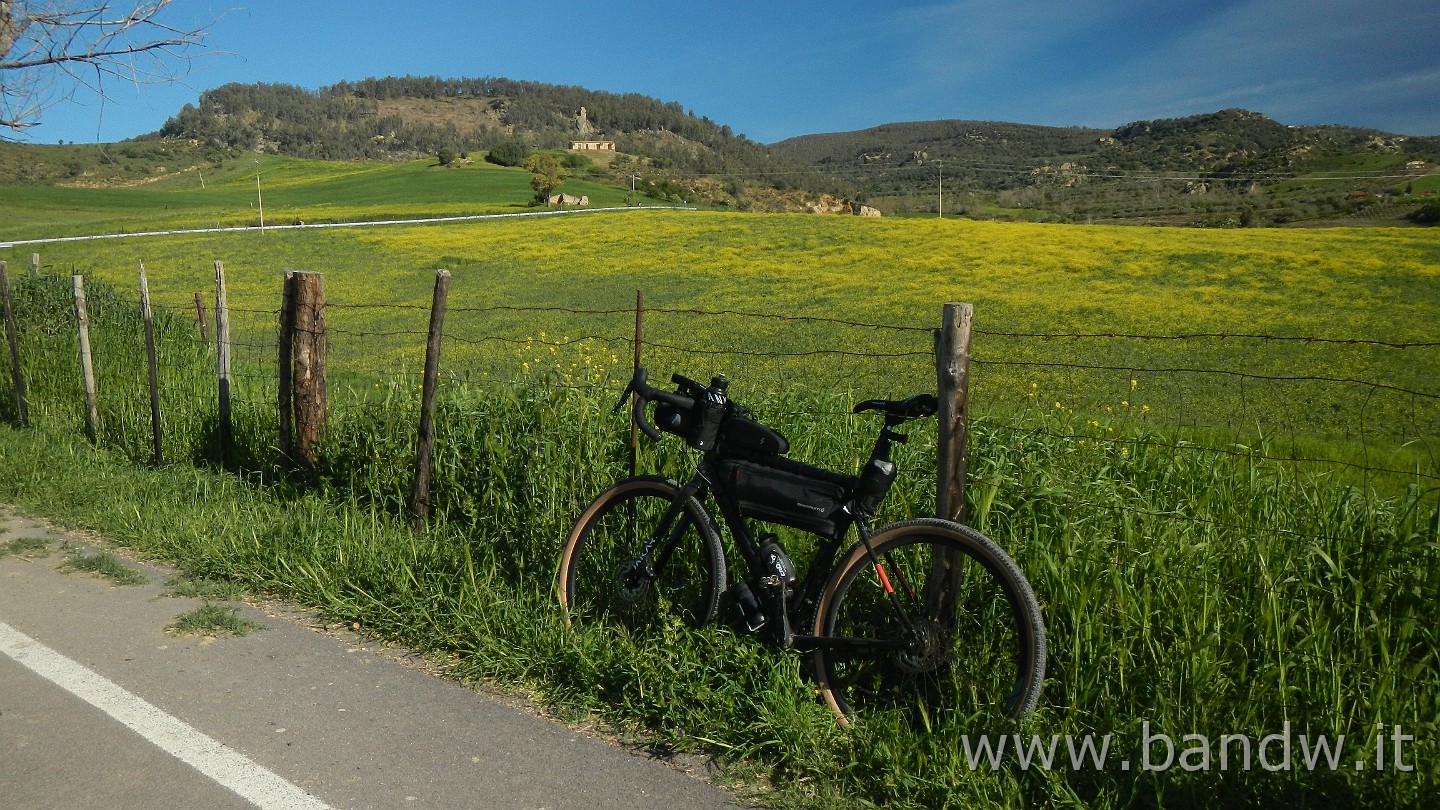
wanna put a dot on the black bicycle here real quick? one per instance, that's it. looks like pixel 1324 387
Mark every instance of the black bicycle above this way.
pixel 925 616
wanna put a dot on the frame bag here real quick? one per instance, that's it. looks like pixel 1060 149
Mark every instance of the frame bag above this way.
pixel 793 494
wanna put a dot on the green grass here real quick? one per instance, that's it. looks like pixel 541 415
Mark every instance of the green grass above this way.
pixel 290 190
pixel 213 620
pixel 203 588
pixel 24 547
pixel 108 566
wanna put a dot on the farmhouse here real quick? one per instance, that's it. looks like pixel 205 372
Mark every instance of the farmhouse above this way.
pixel 592 146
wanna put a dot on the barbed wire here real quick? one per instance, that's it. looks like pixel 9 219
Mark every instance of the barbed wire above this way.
pixel 1207 335
pixel 1222 372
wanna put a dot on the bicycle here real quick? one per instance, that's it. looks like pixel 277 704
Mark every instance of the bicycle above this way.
pixel 925 615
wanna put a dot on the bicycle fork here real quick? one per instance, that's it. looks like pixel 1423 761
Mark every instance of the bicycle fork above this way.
pixel 665 537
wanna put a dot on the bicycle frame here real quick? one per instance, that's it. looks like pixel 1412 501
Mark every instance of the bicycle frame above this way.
pixel 706 481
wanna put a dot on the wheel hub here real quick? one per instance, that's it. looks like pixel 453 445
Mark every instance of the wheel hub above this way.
pixel 632 581
pixel 927 648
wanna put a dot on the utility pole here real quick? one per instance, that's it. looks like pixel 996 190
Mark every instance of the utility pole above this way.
pixel 258 198
pixel 942 190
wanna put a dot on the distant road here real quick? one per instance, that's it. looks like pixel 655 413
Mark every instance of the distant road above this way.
pixel 424 221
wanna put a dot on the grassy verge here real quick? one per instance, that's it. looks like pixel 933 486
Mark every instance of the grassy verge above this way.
pixel 1181 597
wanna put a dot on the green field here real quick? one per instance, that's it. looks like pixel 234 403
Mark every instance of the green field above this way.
pixel 1138 397
pixel 224 193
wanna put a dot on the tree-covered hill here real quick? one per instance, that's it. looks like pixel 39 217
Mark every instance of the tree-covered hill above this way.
pixel 405 118
pixel 1227 167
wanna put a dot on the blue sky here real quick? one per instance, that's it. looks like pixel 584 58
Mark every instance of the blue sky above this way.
pixel 781 68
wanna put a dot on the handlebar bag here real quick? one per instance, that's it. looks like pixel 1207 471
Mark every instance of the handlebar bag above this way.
pixel 790 493
pixel 678 421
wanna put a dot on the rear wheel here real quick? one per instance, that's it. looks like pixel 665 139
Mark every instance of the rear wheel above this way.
pixel 622 566
pixel 940 622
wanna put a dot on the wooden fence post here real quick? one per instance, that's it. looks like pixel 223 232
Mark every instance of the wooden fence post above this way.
pixel 146 317
pixel 952 366
pixel 309 378
pixel 286 393
pixel 222 350
pixel 87 362
pixel 425 445
pixel 12 336
pixel 34 265
pixel 635 399
pixel 200 318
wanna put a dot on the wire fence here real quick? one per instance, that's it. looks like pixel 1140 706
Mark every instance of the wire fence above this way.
pixel 1358 403
pixel 1349 410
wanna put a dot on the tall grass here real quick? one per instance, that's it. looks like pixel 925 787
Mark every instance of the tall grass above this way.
pixel 1189 593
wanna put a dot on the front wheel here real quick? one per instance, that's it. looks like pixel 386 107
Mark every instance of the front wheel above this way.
pixel 933 621
pixel 624 565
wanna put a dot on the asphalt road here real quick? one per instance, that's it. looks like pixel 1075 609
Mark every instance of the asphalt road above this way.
pixel 101 707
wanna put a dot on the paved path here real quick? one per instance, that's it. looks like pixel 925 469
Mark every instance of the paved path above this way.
pixel 101 707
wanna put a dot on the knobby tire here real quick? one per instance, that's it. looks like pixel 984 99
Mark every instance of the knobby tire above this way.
pixel 971 634
pixel 599 586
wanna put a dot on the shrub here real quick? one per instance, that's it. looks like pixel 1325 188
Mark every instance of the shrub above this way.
pixel 1428 214
pixel 509 153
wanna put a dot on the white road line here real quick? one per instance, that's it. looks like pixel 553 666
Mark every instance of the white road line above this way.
pixel 228 767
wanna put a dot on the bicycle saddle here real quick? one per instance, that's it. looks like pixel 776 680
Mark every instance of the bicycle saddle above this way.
pixel 916 407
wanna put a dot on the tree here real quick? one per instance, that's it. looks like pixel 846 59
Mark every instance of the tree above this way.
pixel 547 175
pixel 49 48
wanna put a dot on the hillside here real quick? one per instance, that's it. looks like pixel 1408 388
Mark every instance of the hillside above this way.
pixel 1228 167
pixel 681 156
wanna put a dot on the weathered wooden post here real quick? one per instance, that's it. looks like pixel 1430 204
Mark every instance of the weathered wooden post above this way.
pixel 309 379
pixel 12 336
pixel 34 265
pixel 285 398
pixel 425 445
pixel 200 317
pixel 952 367
pixel 87 362
pixel 222 351
pixel 147 318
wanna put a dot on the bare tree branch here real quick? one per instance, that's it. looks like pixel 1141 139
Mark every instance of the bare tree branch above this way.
pixel 46 44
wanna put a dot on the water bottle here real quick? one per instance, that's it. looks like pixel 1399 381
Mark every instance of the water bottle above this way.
pixel 748 606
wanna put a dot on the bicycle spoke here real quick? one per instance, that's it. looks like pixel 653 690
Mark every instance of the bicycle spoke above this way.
pixel 962 646
pixel 624 568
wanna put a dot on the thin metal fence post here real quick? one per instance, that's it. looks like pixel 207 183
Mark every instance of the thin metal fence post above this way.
pixel 222 349
pixel 635 398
